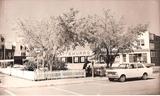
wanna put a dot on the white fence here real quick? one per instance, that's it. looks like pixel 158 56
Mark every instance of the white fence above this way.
pixel 59 74
pixel 7 60
pixel 32 75
pixel 17 72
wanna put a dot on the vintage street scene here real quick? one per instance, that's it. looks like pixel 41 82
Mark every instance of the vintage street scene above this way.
pixel 79 47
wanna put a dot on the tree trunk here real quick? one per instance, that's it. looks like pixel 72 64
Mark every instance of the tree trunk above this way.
pixel 50 67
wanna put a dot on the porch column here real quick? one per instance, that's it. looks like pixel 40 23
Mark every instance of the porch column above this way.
pixel 127 58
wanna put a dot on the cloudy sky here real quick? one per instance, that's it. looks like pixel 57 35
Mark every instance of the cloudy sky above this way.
pixel 134 11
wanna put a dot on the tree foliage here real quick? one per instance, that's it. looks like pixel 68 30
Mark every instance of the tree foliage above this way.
pixel 51 36
pixel 108 36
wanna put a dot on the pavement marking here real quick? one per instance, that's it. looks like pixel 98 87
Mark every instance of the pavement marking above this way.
pixel 74 93
pixel 10 93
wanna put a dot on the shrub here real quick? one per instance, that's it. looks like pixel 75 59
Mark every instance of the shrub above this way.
pixel 30 65
pixel 58 65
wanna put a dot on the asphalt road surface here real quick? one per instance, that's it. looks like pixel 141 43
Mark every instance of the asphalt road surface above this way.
pixel 101 87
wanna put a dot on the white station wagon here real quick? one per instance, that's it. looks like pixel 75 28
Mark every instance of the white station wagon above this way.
pixel 124 71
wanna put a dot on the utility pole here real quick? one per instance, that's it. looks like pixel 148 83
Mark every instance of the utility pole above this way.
pixel 92 69
pixel 4 55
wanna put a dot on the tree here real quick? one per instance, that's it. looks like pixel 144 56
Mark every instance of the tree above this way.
pixel 109 36
pixel 51 37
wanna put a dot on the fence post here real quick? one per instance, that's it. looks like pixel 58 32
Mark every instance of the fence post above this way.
pixel 84 73
pixel 61 72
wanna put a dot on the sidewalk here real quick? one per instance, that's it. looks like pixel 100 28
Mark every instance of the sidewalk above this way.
pixel 14 82
pixel 10 81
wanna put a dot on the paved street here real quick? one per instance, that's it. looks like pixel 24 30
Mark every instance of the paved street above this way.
pixel 98 87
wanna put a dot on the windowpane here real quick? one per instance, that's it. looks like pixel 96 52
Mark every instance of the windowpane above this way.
pixel 144 57
pixel 138 43
pixel 153 54
pixel 82 59
pixel 69 59
pixel 131 58
pixel 142 42
pixel 124 57
pixel 132 66
pixel 76 59
pixel 63 59
pixel 152 46
pixel 151 36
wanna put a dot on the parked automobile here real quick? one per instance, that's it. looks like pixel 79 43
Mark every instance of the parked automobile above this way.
pixel 99 69
pixel 125 71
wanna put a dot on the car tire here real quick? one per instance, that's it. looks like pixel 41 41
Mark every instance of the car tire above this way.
pixel 122 78
pixel 111 79
pixel 144 76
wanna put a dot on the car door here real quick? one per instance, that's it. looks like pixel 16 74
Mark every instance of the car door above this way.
pixel 140 70
pixel 132 71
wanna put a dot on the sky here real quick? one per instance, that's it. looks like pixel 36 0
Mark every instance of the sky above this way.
pixel 133 11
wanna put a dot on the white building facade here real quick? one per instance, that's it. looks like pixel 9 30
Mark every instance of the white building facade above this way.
pixel 147 52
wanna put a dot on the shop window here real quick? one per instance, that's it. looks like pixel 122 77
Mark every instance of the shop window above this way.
pixel 144 57
pixel 82 59
pixel 75 59
pixel 124 57
pixel 69 59
pixel 63 59
pixel 135 57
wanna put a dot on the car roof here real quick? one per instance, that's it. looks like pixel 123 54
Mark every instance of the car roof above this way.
pixel 131 63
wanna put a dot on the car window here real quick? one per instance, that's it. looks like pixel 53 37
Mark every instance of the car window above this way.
pixel 123 66
pixel 140 66
pixel 132 66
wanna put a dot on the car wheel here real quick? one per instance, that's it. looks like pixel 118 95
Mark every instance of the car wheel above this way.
pixel 110 79
pixel 145 76
pixel 122 78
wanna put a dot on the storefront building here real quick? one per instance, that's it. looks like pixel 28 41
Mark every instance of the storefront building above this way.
pixel 11 52
pixel 147 52
pixel 6 54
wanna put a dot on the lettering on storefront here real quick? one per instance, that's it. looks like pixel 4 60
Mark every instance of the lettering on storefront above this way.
pixel 81 53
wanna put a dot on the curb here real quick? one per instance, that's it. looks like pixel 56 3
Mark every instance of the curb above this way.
pixel 55 83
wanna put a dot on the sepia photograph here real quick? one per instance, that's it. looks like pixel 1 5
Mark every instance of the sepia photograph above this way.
pixel 79 47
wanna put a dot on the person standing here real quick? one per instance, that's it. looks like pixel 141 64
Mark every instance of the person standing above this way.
pixel 86 62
